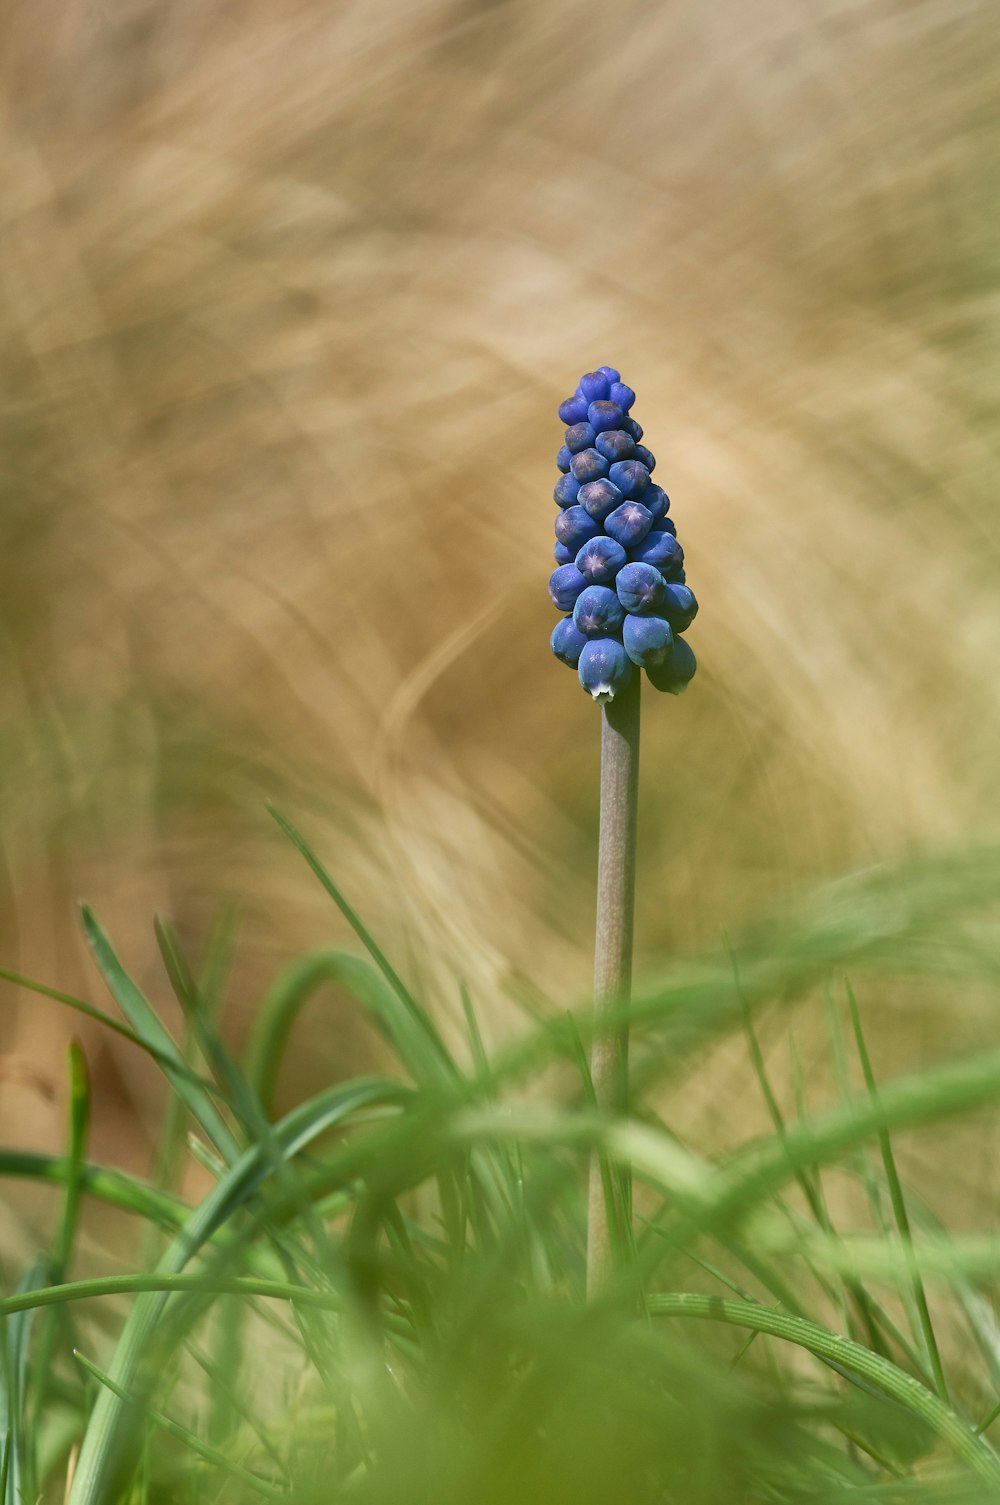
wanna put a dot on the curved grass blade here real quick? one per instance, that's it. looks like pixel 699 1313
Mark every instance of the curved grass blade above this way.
pixel 206 1282
pixel 878 1371
pixel 111 1186
pixel 435 1048
pixel 295 986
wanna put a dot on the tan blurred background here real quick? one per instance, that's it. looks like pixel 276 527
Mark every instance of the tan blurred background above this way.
pixel 289 295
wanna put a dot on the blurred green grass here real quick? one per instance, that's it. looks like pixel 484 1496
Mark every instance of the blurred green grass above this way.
pixel 380 1293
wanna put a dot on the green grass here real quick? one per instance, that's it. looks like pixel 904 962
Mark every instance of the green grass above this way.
pixel 381 1298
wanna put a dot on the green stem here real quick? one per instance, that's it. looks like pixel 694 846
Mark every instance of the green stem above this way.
pixel 609 1218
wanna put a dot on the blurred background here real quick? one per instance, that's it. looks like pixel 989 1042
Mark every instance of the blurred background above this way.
pixel 289 296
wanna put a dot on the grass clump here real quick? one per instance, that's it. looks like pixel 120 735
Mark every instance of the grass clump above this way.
pixel 382 1297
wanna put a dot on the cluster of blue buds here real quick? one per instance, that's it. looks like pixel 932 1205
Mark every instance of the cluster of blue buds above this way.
pixel 620 570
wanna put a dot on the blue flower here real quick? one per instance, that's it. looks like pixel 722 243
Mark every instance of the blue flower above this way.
pixel 601 559
pixel 640 588
pixel 568 642
pixel 565 584
pixel 604 668
pixel 675 673
pixel 629 523
pixel 598 612
pixel 599 498
pixel 647 640
pixel 575 527
pixel 621 583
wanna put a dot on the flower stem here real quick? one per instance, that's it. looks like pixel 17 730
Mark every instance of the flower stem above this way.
pixel 610 1202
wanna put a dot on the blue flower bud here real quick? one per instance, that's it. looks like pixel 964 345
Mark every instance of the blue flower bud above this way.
pixel 575 527
pixel 630 477
pixel 628 524
pixel 598 612
pixel 622 395
pixel 680 607
pixel 600 560
pixel 565 585
pixel 675 673
pixel 647 640
pixel 589 465
pixel 615 445
pixel 620 581
pixel 604 416
pixel 640 588
pixel 604 668
pixel 574 410
pixel 595 386
pixel 656 501
pixel 599 498
pixel 580 436
pixel 659 548
pixel 566 490
pixel 567 642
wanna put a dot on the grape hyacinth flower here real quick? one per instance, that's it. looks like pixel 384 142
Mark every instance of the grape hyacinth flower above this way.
pixel 600 560
pixel 575 527
pixel 568 642
pixel 613 531
pixel 625 604
pixel 598 613
pixel 628 524
pixel 604 667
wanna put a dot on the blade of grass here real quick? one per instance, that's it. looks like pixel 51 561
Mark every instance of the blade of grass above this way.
pixel 148 1027
pixel 257 1128
pixel 113 1187
pixel 988 1419
pixel 293 989
pixel 219 955
pixel 162 1058
pixel 878 1371
pixel 898 1202
pixel 480 1060
pixel 105 1443
pixel 810 1186
pixel 436 1051
pixel 183 1434
pixel 217 1375
pixel 230 1323
pixel 17 1331
pixel 729 1193
pixel 863 1170
pixel 65 1235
